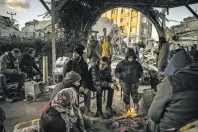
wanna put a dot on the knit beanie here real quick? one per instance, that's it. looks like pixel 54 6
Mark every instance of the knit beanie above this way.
pixel 79 49
pixel 72 76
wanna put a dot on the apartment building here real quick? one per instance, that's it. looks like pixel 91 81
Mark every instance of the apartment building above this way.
pixel 133 25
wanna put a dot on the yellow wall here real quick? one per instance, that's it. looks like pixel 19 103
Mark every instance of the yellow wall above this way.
pixel 126 18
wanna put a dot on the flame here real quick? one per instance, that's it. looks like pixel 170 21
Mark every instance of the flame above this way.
pixel 20 5
pixel 131 113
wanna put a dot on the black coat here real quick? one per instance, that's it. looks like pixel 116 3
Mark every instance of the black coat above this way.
pixel 80 67
pixel 100 79
pixel 27 63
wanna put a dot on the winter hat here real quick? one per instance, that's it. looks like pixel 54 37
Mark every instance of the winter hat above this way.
pixel 72 76
pixel 130 52
pixel 79 49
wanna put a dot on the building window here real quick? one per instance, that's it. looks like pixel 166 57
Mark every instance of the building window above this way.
pixel 132 29
pixel 113 11
pixel 133 10
pixel 133 19
pixel 122 29
pixel 121 20
pixel 122 10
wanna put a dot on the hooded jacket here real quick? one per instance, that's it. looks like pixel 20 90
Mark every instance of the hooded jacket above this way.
pixel 129 72
pixel 175 103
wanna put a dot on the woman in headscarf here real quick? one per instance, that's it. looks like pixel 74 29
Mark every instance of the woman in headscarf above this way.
pixel 62 115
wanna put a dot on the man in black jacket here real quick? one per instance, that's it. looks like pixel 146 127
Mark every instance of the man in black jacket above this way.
pixel 78 65
pixel 28 65
pixel 9 72
pixel 102 80
pixel 128 72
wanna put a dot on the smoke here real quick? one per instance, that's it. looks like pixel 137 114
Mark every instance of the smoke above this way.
pixel 20 5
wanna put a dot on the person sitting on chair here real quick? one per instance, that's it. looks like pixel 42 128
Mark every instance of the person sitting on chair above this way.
pixel 28 65
pixel 102 80
pixel 10 72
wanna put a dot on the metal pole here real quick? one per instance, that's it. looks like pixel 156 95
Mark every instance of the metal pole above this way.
pixel 192 11
pixel 197 38
pixel 53 36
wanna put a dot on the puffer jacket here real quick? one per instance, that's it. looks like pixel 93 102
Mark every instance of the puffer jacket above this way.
pixel 79 67
pixel 175 103
pixel 100 79
pixel 129 72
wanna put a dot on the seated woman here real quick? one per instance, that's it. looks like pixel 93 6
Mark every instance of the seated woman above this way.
pixel 62 115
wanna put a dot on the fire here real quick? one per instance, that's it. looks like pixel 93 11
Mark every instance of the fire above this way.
pixel 131 113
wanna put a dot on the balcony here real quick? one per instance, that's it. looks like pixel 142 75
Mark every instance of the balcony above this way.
pixel 123 24
pixel 124 15
pixel 133 24
pixel 133 34
pixel 134 14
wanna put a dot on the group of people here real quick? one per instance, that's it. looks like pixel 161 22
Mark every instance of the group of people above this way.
pixel 15 67
pixel 79 79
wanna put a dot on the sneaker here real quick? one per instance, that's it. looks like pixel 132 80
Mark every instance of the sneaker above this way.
pixel 9 100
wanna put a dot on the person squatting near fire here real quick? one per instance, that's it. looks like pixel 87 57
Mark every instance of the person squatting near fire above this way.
pixel 78 64
pixel 62 115
pixel 28 65
pixel 9 72
pixel 128 71
pixel 102 80
pixel 175 103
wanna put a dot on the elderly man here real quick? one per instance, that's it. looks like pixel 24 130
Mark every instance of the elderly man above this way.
pixel 175 103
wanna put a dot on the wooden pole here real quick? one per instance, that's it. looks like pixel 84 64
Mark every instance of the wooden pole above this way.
pixel 53 37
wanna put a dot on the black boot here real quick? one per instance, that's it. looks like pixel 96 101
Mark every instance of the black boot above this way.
pixel 98 114
pixel 110 110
